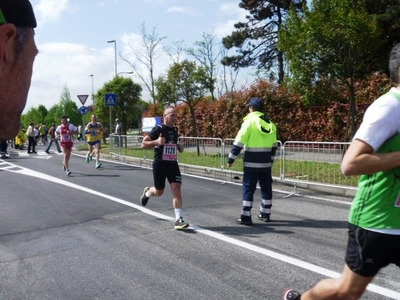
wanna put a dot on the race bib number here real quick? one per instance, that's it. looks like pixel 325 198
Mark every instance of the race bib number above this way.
pixel 170 152
pixel 66 138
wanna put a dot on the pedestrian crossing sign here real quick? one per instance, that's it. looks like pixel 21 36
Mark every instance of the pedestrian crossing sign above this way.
pixel 111 100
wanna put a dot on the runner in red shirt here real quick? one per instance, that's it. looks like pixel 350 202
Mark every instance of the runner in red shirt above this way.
pixel 64 133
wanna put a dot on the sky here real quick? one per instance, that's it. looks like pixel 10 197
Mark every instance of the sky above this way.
pixel 72 39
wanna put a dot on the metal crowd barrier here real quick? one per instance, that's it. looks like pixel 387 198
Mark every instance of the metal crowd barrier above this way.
pixel 298 163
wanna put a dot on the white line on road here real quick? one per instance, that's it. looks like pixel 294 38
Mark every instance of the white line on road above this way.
pixel 287 259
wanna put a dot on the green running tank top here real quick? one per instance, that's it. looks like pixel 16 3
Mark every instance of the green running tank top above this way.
pixel 377 201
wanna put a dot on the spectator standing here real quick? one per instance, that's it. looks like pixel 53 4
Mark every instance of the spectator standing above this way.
pixel 18 51
pixel 52 133
pixel 37 134
pixel 374 219
pixel 3 149
pixel 118 132
pixel 80 133
pixel 258 135
pixel 30 132
pixel 164 140
pixel 20 139
pixel 64 133
pixel 43 131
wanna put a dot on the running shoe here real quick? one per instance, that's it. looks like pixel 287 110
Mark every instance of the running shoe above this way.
pixel 98 165
pixel 87 159
pixel 291 294
pixel 244 221
pixel 68 172
pixel 64 168
pixel 264 217
pixel 143 198
pixel 180 224
pixel 90 157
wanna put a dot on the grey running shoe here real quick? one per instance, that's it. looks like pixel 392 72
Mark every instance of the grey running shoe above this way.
pixel 180 224
pixel 264 217
pixel 143 198
pixel 291 294
pixel 68 172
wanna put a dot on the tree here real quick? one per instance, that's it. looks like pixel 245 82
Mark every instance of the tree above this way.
pixel 256 40
pixel 387 14
pixel 334 41
pixel 146 57
pixel 128 96
pixel 33 115
pixel 185 82
pixel 68 107
pixel 206 55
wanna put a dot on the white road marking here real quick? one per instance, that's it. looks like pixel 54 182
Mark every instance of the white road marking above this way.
pixel 284 258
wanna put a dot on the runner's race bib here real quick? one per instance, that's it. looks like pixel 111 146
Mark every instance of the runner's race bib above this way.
pixel 66 138
pixel 170 152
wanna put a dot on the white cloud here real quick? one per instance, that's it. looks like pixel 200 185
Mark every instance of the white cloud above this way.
pixel 182 10
pixel 227 27
pixel 69 32
pixel 50 10
pixel 67 64
pixel 231 8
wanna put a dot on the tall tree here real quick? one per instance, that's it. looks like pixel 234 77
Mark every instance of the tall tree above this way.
pixel 208 57
pixel 333 41
pixel 145 57
pixel 387 14
pixel 33 115
pixel 256 40
pixel 128 96
pixel 185 82
pixel 68 107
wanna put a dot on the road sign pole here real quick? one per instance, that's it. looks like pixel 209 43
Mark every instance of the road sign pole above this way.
pixel 83 129
pixel 109 130
pixel 111 100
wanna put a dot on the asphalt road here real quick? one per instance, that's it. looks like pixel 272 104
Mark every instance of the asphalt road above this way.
pixel 87 237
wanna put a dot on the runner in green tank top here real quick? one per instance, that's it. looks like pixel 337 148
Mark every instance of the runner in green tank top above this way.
pixel 374 219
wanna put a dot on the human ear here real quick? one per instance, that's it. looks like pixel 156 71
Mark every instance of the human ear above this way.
pixel 8 34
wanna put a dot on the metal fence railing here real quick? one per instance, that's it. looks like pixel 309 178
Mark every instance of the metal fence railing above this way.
pixel 295 162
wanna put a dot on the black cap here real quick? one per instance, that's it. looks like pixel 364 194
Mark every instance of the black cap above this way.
pixel 255 102
pixel 18 12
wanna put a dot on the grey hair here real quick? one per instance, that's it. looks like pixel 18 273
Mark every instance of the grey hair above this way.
pixel 23 34
pixel 394 64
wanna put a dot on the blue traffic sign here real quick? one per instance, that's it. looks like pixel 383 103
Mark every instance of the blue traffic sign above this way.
pixel 111 100
pixel 83 110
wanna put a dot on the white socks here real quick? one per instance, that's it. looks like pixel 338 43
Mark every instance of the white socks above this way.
pixel 178 213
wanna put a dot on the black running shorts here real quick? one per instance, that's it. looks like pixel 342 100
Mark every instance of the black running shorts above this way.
pixel 369 251
pixel 165 170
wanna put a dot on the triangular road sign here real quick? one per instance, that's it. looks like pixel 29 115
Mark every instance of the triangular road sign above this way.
pixel 110 101
pixel 83 98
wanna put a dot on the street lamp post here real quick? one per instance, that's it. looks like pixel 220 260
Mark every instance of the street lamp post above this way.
pixel 115 53
pixel 91 75
pixel 131 72
pixel 116 73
